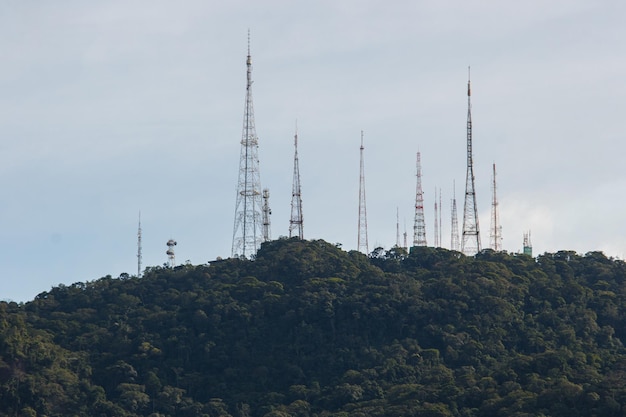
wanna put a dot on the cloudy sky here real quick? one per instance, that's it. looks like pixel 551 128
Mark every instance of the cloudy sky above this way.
pixel 111 108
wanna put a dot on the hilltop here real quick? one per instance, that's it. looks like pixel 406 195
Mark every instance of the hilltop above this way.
pixel 308 329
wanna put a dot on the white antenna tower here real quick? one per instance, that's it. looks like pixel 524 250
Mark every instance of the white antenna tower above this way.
pixel 139 257
pixel 171 257
pixel 437 243
pixel 362 238
pixel 296 225
pixel 419 227
pixel 496 227
pixel 267 212
pixel 247 230
pixel 397 227
pixel 454 234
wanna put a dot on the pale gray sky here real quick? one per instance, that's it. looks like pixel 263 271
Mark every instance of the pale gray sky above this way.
pixel 108 108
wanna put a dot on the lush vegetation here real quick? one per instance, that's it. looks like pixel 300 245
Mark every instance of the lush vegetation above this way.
pixel 310 330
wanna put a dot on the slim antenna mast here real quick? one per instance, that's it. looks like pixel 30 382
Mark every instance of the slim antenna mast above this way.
pixel 496 228
pixel 267 211
pixel 397 227
pixel 470 244
pixel 437 243
pixel 139 257
pixel 171 256
pixel 419 227
pixel 362 238
pixel 247 230
pixel 405 236
pixel 296 226
pixel 454 238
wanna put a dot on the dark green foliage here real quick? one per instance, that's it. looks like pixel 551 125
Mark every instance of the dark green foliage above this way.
pixel 310 330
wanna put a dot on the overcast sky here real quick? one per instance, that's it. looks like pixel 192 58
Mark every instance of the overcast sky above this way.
pixel 109 108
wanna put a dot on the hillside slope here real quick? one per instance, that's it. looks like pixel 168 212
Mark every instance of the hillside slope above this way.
pixel 308 329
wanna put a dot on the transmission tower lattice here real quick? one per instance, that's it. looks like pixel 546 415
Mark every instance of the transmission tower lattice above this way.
pixel 362 237
pixel 470 244
pixel 454 234
pixel 267 211
pixel 419 227
pixel 495 237
pixel 247 230
pixel 139 257
pixel 296 225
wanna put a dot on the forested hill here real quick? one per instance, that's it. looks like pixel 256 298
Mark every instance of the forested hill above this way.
pixel 310 330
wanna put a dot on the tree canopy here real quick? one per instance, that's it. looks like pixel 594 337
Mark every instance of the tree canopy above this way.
pixel 307 329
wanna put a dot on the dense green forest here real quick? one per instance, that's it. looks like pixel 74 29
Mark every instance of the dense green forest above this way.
pixel 307 329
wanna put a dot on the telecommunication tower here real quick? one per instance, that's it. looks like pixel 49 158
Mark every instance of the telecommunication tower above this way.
pixel 267 212
pixel 397 227
pixel 440 220
pixel 247 230
pixel 139 257
pixel 419 227
pixel 470 244
pixel 362 237
pixel 171 257
pixel 528 247
pixel 405 237
pixel 296 225
pixel 454 238
pixel 437 244
pixel 495 237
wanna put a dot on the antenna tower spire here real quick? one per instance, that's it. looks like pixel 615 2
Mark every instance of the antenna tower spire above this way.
pixel 296 225
pixel 419 227
pixel 171 256
pixel 437 243
pixel 496 227
pixel 267 211
pixel 139 257
pixel 470 244
pixel 397 227
pixel 247 230
pixel 454 238
pixel 362 238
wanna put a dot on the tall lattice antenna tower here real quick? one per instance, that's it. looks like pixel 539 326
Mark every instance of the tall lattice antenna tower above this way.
pixel 171 256
pixel 437 244
pixel 267 212
pixel 296 225
pixel 470 244
pixel 419 227
pixel 454 234
pixel 362 238
pixel 247 231
pixel 139 257
pixel 397 227
pixel 495 237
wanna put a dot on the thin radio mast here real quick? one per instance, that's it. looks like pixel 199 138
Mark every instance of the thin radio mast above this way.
pixel 419 227
pixel 267 212
pixel 470 244
pixel 139 257
pixel 496 228
pixel 454 238
pixel 362 238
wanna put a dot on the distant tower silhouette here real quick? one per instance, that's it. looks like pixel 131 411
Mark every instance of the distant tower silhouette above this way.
pixel 437 244
pixel 405 237
pixel 470 244
pixel 139 257
pixel 267 212
pixel 454 234
pixel 296 225
pixel 397 227
pixel 419 227
pixel 528 247
pixel 362 238
pixel 440 221
pixel 171 257
pixel 495 237
pixel 247 231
